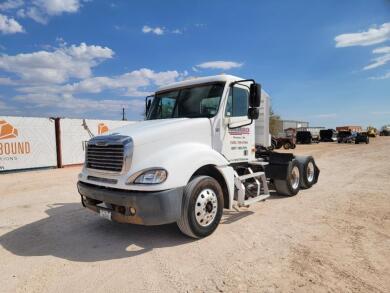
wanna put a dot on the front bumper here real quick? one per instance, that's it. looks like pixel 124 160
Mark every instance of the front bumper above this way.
pixel 151 208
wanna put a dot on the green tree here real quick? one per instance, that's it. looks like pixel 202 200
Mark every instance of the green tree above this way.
pixel 274 123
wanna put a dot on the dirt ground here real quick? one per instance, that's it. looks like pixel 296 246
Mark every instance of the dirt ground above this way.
pixel 334 237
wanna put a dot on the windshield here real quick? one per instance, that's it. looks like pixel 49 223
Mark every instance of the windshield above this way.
pixel 189 102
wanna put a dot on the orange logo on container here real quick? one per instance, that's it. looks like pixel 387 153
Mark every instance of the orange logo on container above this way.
pixel 102 128
pixel 7 130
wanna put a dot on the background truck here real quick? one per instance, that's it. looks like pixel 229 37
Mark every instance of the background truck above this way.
pixel 385 131
pixel 371 131
pixel 362 137
pixel 203 148
pixel 328 135
pixel 304 137
pixel 345 136
pixel 287 140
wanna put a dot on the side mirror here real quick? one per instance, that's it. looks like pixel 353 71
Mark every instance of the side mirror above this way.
pixel 148 103
pixel 253 113
pixel 255 95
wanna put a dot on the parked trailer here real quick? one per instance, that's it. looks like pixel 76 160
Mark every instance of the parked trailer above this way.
pixel 328 135
pixel 193 156
pixel 315 132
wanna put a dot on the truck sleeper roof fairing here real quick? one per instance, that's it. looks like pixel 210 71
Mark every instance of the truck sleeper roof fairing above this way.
pixel 199 80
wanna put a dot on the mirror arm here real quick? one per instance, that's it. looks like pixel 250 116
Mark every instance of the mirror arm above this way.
pixel 240 125
pixel 242 80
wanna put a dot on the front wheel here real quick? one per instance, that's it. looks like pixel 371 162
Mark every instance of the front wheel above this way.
pixel 287 145
pixel 202 207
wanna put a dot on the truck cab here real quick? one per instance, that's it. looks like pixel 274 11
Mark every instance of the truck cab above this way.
pixel 202 147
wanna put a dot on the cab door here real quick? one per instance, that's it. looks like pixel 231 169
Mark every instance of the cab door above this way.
pixel 237 135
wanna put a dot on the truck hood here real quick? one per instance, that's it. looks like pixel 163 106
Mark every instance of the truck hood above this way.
pixel 150 131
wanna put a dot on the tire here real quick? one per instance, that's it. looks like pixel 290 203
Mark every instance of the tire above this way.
pixel 201 190
pixel 293 146
pixel 289 186
pixel 308 171
pixel 287 145
pixel 272 146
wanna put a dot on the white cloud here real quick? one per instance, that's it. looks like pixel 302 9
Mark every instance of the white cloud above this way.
pixel 34 13
pixel 158 30
pixel 3 106
pixel 154 30
pixel 135 83
pixel 41 10
pixel 6 81
pixel 57 7
pixel 380 60
pixel 60 78
pixel 11 4
pixel 381 113
pixel 77 105
pixel 224 65
pixel 56 66
pixel 177 31
pixel 385 76
pixel 374 35
pixel 9 25
pixel 326 115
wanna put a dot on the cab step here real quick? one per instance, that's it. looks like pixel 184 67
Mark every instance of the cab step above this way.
pixel 262 193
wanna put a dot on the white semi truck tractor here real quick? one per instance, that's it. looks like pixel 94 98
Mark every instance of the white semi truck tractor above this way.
pixel 202 148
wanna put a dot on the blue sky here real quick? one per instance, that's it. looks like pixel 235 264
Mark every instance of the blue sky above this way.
pixel 326 62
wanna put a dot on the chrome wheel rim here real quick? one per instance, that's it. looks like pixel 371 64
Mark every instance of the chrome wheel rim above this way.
pixel 294 177
pixel 206 207
pixel 310 172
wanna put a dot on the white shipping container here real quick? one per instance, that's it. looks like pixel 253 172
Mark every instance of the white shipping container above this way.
pixel 262 135
pixel 76 132
pixel 26 143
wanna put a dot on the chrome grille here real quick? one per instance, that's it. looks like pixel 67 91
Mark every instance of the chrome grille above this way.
pixel 108 157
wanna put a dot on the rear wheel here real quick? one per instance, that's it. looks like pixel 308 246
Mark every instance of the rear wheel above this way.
pixel 272 146
pixel 287 145
pixel 202 207
pixel 289 186
pixel 307 168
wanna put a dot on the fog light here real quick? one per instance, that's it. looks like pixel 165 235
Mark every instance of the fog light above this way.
pixel 132 211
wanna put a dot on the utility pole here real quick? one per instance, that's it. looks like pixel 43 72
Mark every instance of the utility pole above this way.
pixel 123 115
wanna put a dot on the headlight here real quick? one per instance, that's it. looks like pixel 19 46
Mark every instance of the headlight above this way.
pixel 153 176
